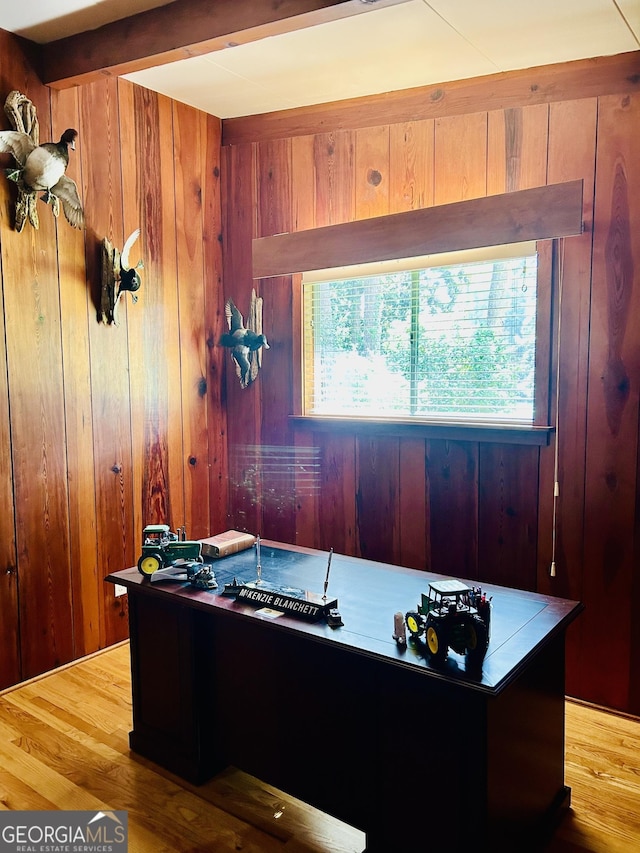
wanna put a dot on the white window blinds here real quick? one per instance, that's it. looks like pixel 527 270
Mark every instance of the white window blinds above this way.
pixel 438 338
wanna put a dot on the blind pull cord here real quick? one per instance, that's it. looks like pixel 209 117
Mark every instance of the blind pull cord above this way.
pixel 556 475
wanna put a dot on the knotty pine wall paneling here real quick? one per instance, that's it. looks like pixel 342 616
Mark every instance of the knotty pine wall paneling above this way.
pixel 152 323
pixel 242 404
pixel 517 148
pixel 516 159
pixel 473 509
pixel 334 186
pixel 413 502
pixel 276 455
pixel 612 404
pixel 378 497
pixel 190 130
pixel 10 664
pixel 411 153
pixel 452 469
pixel 459 172
pixel 377 458
pixel 9 625
pixel 76 309
pixel 215 325
pixel 104 429
pixel 33 352
pixel 337 512
pixel 11 62
pixel 104 146
pixel 307 465
pixel 508 514
pixel 460 158
pixel 323 193
pixel 570 155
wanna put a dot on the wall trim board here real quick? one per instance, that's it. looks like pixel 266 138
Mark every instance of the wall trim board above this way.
pixel 566 81
pixel 534 214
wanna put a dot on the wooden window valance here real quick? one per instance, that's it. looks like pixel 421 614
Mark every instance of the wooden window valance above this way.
pixel 535 214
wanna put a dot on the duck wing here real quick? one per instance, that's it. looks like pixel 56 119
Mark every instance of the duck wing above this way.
pixel 67 192
pixel 234 317
pixel 16 143
pixel 126 249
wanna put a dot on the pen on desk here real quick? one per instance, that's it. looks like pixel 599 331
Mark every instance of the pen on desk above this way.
pixel 258 563
pixel 326 580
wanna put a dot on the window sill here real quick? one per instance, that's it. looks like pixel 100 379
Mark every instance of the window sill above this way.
pixel 496 433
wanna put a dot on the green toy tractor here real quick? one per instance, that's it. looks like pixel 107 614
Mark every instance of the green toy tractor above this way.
pixel 454 616
pixel 161 547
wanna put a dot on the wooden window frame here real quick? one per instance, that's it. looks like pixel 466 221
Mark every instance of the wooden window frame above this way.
pixel 541 214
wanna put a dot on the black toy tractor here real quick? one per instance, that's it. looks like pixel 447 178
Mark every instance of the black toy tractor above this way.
pixel 161 547
pixel 454 616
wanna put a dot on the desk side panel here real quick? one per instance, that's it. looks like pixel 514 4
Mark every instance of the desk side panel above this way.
pixel 172 688
pixel 525 750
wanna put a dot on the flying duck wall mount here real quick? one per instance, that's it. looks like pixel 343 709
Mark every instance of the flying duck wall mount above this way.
pixel 39 167
pixel 118 277
pixel 245 344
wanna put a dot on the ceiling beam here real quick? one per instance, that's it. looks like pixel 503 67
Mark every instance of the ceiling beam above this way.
pixel 182 29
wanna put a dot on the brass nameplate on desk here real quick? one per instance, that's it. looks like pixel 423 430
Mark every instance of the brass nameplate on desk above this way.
pixel 300 603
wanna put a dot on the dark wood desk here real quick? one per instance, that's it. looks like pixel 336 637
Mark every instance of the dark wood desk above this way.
pixel 344 719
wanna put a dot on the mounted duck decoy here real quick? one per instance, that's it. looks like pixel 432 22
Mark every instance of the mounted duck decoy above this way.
pixel 245 344
pixel 41 168
pixel 118 277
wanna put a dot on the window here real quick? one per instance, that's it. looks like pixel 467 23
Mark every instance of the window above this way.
pixel 445 338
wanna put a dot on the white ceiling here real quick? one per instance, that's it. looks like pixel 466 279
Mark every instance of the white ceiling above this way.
pixel 417 43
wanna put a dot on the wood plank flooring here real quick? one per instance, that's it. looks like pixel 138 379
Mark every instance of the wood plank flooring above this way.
pixel 64 745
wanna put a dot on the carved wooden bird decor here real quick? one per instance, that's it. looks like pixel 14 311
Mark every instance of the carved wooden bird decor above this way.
pixel 118 277
pixel 245 344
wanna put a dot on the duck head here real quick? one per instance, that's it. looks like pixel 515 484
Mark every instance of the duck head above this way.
pixel 68 138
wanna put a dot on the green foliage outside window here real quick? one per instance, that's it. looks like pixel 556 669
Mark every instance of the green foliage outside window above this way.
pixel 454 342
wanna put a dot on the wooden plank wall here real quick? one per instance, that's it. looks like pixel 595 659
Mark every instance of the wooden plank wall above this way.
pixel 465 508
pixel 104 429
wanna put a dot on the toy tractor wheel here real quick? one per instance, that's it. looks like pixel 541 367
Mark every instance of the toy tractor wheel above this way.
pixel 436 642
pixel 414 623
pixel 477 639
pixel 149 563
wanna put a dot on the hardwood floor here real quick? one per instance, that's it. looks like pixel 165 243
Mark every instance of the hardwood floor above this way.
pixel 64 745
pixel 602 769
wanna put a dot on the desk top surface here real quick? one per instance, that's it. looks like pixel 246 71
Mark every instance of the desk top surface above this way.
pixel 369 594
